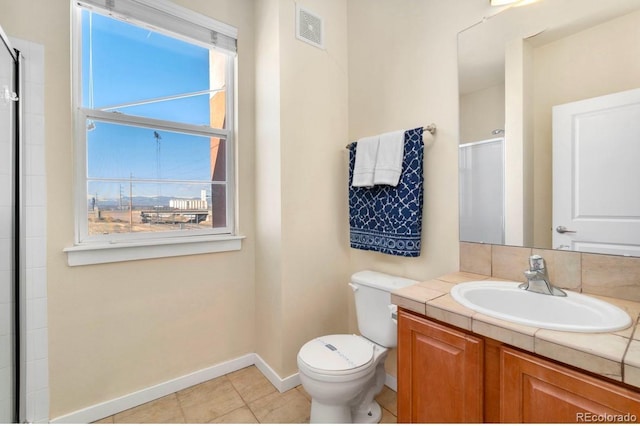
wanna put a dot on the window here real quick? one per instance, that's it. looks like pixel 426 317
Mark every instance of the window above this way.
pixel 153 94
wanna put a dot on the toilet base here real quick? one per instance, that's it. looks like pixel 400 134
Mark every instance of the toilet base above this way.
pixel 373 415
pixel 323 413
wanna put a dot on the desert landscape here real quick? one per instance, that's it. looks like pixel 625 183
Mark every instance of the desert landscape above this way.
pixel 118 221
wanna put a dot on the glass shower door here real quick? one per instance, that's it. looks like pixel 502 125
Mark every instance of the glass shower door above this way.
pixel 481 190
pixel 8 296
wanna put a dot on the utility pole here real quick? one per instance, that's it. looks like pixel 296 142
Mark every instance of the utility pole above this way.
pixel 130 202
pixel 157 136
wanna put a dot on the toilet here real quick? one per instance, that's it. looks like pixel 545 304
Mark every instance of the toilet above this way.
pixel 343 372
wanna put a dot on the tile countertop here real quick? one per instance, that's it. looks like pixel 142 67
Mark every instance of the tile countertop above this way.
pixel 614 355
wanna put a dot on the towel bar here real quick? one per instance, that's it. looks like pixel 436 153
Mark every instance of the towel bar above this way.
pixel 431 128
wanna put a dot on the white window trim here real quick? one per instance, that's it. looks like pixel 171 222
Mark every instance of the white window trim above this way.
pixel 105 252
pixel 189 24
pixel 119 248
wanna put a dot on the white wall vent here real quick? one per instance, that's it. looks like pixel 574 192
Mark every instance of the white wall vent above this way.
pixel 309 27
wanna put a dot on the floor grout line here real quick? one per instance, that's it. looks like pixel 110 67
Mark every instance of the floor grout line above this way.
pixel 246 403
pixel 184 416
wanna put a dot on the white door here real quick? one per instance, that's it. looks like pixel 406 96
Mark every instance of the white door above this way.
pixel 596 174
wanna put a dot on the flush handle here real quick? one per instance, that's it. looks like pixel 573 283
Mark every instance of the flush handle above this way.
pixel 563 230
pixel 354 287
pixel 393 310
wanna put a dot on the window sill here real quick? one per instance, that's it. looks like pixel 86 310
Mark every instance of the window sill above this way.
pixel 96 253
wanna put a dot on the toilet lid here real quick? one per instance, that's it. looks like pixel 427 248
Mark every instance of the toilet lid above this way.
pixel 337 352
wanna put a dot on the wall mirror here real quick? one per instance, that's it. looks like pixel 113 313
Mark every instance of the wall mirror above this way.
pixel 519 67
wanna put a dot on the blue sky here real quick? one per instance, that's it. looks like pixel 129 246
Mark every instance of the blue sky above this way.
pixel 131 64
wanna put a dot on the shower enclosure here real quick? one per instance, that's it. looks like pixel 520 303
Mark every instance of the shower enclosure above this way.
pixel 482 194
pixel 9 238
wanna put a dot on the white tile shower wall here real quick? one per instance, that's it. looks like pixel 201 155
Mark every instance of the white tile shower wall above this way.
pixel 35 362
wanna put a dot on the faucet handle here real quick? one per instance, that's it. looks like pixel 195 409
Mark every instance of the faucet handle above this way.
pixel 536 263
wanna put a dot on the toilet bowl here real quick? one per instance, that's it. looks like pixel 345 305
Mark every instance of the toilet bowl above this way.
pixel 343 372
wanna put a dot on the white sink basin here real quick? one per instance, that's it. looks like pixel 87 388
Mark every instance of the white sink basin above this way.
pixel 576 312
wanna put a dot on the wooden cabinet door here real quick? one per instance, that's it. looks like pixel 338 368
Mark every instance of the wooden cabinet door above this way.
pixel 439 373
pixel 534 390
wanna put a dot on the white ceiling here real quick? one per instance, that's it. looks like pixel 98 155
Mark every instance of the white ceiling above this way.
pixel 481 47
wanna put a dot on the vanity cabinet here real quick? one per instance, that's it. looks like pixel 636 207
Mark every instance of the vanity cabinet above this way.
pixel 449 375
pixel 534 390
pixel 439 373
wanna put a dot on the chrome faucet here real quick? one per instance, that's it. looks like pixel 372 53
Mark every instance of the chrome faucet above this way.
pixel 538 279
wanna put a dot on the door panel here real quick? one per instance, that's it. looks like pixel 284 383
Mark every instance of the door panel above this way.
pixel 439 373
pixel 533 390
pixel 596 178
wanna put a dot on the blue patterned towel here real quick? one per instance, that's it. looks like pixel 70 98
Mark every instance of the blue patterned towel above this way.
pixel 385 218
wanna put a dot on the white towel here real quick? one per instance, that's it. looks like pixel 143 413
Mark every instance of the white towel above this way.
pixel 364 167
pixel 388 166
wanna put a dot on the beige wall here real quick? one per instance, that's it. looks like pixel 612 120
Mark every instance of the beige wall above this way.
pixel 607 60
pixel 302 126
pixel 268 195
pixel 315 128
pixel 518 154
pixel 403 74
pixel 481 112
pixel 121 327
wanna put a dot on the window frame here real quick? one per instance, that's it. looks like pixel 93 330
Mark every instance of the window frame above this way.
pixel 90 249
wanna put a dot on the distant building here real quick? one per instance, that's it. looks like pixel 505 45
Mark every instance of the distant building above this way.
pixel 189 204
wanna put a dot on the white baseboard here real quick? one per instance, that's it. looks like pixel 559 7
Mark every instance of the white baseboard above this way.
pixel 391 382
pixel 117 405
pixel 282 385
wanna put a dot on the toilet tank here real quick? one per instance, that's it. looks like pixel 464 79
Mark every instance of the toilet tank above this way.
pixel 372 293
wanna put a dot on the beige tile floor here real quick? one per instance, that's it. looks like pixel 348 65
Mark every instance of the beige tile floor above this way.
pixel 244 396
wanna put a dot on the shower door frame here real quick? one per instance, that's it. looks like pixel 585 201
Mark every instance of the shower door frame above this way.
pixel 16 172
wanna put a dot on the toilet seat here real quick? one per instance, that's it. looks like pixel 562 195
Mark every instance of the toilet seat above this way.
pixel 337 355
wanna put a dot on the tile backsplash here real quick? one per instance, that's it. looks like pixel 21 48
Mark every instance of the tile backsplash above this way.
pixel 598 274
